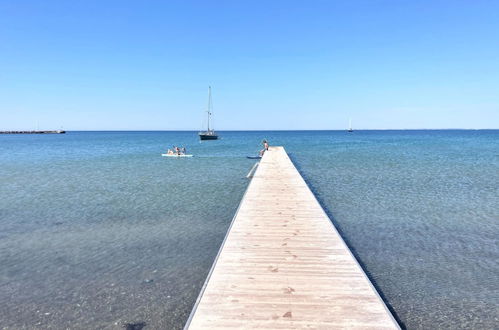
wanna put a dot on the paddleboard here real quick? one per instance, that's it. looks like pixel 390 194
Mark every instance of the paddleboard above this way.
pixel 173 155
pixel 253 157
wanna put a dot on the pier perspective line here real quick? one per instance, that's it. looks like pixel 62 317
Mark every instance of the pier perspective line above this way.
pixel 283 264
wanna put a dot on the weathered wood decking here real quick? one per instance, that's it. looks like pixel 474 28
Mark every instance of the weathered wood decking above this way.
pixel 283 265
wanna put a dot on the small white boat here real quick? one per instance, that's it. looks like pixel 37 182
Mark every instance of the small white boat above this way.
pixel 175 155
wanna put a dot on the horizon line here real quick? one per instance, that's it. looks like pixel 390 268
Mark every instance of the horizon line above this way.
pixel 277 130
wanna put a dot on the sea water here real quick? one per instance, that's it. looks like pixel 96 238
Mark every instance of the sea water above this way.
pixel 98 231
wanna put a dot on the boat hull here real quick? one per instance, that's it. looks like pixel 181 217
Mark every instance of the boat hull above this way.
pixel 177 156
pixel 208 136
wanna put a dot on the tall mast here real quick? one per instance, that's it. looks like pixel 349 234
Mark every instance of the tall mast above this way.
pixel 209 106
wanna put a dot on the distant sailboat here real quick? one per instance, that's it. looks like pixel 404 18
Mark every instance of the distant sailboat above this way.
pixel 350 129
pixel 209 134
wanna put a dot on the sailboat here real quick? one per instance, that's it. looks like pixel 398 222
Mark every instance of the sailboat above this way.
pixel 209 134
pixel 350 129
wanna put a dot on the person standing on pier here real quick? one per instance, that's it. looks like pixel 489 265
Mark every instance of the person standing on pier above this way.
pixel 265 147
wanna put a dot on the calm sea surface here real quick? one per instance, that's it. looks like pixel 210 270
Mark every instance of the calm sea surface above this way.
pixel 98 230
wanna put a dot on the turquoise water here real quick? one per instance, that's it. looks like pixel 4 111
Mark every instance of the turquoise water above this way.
pixel 97 230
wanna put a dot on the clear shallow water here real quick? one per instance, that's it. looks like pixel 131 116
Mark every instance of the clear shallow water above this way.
pixel 97 230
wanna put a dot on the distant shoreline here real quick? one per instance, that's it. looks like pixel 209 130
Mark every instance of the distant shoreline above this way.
pixel 33 132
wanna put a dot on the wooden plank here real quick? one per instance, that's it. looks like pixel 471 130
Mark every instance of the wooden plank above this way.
pixel 283 265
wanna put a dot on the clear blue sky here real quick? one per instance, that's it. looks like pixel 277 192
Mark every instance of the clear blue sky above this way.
pixel 97 65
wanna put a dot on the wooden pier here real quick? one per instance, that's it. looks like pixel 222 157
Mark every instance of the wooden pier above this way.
pixel 283 264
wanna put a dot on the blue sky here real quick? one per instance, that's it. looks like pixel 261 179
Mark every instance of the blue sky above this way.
pixel 96 65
